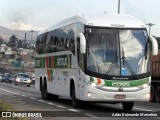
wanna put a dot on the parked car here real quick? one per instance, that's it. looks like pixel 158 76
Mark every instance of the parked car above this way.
pixel 7 78
pixel 0 78
pixel 22 78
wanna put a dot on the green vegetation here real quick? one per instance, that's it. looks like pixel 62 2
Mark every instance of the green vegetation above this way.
pixel 6 107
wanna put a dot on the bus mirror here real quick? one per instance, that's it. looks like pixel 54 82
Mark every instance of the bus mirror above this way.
pixel 82 43
pixel 154 45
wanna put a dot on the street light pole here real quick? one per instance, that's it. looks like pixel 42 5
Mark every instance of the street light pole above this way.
pixel 118 6
pixel 31 48
pixel 150 25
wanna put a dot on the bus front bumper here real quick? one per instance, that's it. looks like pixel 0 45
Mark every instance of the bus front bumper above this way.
pixel 93 94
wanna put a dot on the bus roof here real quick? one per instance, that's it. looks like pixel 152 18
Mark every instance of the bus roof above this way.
pixel 101 20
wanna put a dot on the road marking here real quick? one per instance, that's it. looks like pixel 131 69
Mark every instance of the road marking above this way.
pixel 32 98
pixel 23 95
pixel 90 115
pixel 142 109
pixel 60 106
pixel 9 91
pixel 73 110
pixel 41 101
pixel 50 103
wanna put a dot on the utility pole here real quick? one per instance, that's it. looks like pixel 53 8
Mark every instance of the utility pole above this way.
pixel 119 6
pixel 150 25
pixel 31 48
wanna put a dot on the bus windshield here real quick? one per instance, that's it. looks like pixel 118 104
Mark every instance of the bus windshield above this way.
pixel 117 52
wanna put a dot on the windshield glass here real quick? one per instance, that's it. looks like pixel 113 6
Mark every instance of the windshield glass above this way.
pixel 133 46
pixel 117 52
pixel 23 76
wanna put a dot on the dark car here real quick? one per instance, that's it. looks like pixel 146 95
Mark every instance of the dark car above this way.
pixel 7 78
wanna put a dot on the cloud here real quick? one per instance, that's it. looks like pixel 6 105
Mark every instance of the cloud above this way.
pixel 24 26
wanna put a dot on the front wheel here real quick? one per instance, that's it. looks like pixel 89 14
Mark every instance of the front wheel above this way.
pixel 152 94
pixel 157 94
pixel 75 101
pixel 128 105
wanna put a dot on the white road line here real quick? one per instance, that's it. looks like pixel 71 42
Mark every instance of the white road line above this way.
pixel 9 91
pixel 142 109
pixel 32 98
pixel 23 95
pixel 90 115
pixel 50 103
pixel 73 110
pixel 60 106
pixel 41 101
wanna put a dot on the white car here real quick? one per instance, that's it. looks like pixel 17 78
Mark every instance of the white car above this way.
pixel 22 78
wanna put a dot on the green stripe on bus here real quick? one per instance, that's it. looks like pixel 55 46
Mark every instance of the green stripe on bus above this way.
pixel 121 83
pixel 91 79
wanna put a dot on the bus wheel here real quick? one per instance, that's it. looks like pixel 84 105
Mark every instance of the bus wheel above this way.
pixel 157 94
pixel 75 102
pixel 128 105
pixel 44 93
pixel 152 94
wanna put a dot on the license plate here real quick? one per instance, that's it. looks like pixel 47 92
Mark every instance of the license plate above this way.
pixel 120 96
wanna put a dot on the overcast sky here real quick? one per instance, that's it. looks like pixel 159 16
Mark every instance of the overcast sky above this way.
pixel 41 14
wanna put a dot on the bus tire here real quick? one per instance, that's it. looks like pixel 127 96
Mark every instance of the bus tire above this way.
pixel 152 94
pixel 157 94
pixel 44 94
pixel 75 101
pixel 40 84
pixel 127 105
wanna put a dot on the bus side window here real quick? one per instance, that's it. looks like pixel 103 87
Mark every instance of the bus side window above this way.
pixel 56 47
pixel 72 45
pixel 51 45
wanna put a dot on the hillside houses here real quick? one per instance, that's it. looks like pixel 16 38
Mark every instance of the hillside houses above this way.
pixel 16 59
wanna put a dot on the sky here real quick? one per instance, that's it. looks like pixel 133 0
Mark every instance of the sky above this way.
pixel 41 14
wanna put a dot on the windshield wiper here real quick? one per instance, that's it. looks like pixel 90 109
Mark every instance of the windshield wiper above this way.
pixel 111 66
pixel 129 66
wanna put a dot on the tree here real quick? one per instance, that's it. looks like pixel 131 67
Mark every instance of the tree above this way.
pixel 13 41
pixel 20 44
pixel 1 40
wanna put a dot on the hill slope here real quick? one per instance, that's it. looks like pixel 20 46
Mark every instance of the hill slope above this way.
pixel 20 34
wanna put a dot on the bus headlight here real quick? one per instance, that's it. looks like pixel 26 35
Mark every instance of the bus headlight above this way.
pixel 93 85
pixel 145 86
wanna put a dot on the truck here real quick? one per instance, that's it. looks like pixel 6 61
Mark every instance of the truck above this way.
pixel 155 78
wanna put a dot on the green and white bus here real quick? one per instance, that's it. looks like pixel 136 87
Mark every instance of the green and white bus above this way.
pixel 95 58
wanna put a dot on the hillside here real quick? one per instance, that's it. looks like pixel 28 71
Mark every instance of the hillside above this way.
pixel 20 34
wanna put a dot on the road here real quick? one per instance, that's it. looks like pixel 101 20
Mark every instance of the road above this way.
pixel 25 98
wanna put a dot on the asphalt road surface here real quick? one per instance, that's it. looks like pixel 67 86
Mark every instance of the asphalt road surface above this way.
pixel 24 98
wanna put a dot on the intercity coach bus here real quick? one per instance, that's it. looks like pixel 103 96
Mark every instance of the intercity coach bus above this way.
pixel 95 58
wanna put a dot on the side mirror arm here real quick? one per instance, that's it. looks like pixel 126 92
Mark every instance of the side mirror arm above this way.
pixel 82 43
pixel 154 45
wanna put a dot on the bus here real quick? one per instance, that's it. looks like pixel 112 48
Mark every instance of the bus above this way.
pixel 101 58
